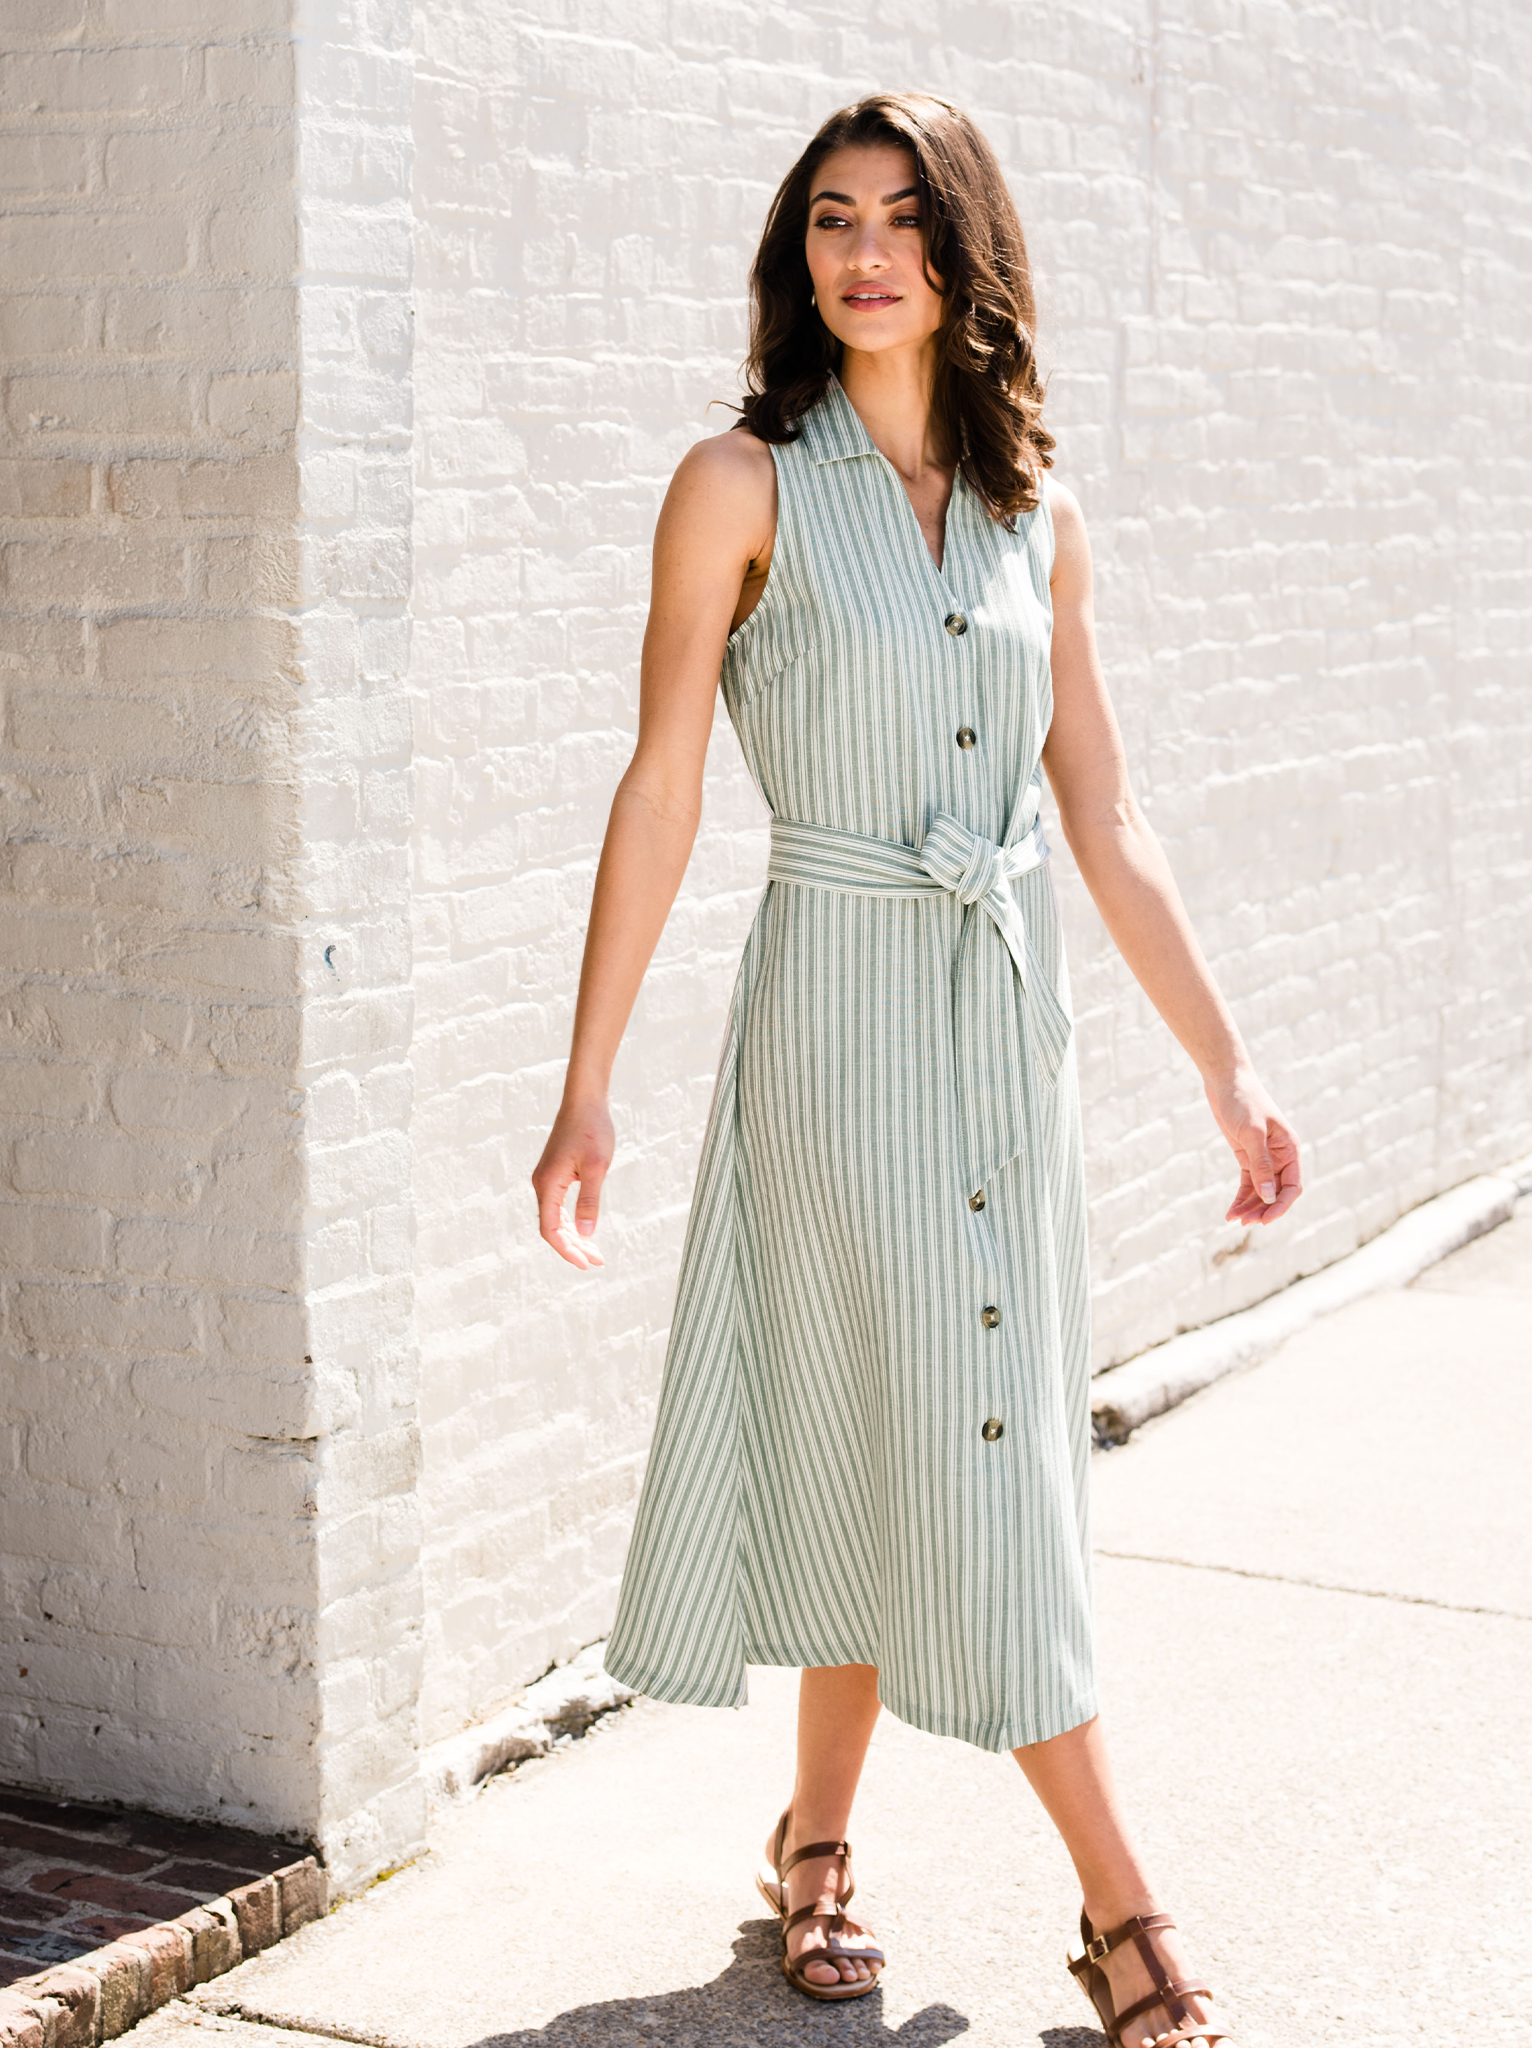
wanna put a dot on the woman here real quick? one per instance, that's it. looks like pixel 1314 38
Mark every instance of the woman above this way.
pixel 872 1447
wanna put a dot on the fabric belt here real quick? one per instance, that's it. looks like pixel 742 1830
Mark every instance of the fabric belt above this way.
pixel 1001 1045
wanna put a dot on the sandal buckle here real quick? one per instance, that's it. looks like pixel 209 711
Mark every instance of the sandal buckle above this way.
pixel 1098 1950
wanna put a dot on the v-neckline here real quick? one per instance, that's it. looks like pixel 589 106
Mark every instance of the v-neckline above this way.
pixel 938 570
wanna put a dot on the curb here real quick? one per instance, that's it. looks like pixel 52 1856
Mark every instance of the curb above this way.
pixel 1127 1395
pixel 558 1707
pixel 100 1995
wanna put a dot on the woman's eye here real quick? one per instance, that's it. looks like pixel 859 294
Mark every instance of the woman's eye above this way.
pixel 906 220
pixel 831 220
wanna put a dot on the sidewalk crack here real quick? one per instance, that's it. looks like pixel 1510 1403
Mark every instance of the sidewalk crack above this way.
pixel 226 2008
pixel 1237 1571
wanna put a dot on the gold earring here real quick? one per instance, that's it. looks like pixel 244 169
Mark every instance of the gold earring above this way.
pixel 812 300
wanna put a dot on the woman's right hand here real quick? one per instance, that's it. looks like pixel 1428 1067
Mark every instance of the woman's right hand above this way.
pixel 579 1148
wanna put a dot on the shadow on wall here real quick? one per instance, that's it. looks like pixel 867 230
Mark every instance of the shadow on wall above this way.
pixel 749 2006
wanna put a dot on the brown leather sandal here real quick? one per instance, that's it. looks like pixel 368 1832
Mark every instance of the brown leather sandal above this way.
pixel 1169 1991
pixel 774 1891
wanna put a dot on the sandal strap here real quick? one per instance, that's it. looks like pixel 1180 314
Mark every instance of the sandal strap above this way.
pixel 1169 1994
pixel 1099 1946
pixel 813 1849
pixel 836 1916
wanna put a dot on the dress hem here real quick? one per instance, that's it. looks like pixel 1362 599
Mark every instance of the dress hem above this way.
pixel 1018 1733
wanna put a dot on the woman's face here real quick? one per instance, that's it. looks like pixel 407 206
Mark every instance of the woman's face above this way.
pixel 865 245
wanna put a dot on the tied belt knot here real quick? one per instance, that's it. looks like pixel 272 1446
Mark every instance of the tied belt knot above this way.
pixel 1010 1029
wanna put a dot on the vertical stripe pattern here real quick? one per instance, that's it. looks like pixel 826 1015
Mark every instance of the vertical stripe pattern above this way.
pixel 873 1435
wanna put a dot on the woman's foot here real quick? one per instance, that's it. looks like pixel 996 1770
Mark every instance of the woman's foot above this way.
pixel 817 1881
pixel 1129 1979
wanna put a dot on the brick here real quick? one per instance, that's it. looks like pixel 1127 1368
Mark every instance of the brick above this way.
pixel 43 248
pixel 119 404
pixel 21 2022
pixel 168 1949
pixel 251 76
pixel 44 488
pixel 251 485
pixel 258 1909
pixel 214 1936
pixel 257 242
pixel 62 1319
pixel 205 160
pixel 243 651
pixel 173 1102
pixel 44 163
pixel 125 1977
pixel 117 1170
pixel 304 1894
pixel 229 320
pixel 53 323
pixel 120 1894
pixel 103 1856
pixel 25 1910
pixel 77 1992
pixel 125 80
pixel 96 571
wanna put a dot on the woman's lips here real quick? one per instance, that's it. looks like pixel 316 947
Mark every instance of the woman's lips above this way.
pixel 869 298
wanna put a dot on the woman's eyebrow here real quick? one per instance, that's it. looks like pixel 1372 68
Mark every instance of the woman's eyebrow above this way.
pixel 888 199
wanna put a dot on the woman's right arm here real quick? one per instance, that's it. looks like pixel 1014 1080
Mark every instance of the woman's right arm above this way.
pixel 715 532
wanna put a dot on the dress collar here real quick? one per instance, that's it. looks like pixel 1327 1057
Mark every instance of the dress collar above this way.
pixel 832 429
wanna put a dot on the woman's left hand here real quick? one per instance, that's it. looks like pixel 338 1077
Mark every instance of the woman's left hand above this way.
pixel 1270 1173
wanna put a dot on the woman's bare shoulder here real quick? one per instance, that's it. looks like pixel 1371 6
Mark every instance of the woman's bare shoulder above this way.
pixel 728 481
pixel 1071 544
pixel 735 461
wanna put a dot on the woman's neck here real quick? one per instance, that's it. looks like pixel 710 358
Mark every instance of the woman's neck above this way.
pixel 891 391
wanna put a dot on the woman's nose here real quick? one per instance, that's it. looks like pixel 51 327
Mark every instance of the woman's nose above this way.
pixel 869 251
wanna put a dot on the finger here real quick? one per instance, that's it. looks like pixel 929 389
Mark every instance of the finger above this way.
pixel 553 1224
pixel 1289 1188
pixel 1258 1163
pixel 588 1206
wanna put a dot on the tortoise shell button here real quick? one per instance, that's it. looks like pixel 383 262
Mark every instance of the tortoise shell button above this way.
pixel 976 1200
pixel 967 737
pixel 989 1316
pixel 956 624
pixel 993 1430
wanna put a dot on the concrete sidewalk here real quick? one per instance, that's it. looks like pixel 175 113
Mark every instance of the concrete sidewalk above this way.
pixel 1315 1597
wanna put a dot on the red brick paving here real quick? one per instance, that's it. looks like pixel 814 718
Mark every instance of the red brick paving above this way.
pixel 71 1875
pixel 145 1900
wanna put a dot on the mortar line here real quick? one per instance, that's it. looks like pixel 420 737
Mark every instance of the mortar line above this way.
pixel 1317 1585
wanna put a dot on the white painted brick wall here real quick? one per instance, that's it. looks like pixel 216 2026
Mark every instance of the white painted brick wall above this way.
pixel 155 1412
pixel 1281 260
pixel 210 1538
pixel 320 665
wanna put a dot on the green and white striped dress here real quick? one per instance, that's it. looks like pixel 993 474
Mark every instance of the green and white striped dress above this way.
pixel 873 1435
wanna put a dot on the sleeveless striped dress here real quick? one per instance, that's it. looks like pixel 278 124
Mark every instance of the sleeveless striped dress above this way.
pixel 873 1433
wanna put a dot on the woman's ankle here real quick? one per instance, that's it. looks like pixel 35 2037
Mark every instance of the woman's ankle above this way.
pixel 1106 1910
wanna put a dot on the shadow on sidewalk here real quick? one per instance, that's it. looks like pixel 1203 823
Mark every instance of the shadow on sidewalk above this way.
pixel 748 2006
pixel 751 2006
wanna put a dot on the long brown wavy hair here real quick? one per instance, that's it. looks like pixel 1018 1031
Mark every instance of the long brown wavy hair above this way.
pixel 988 401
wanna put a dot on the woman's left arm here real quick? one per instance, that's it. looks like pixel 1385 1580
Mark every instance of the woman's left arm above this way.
pixel 1129 878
